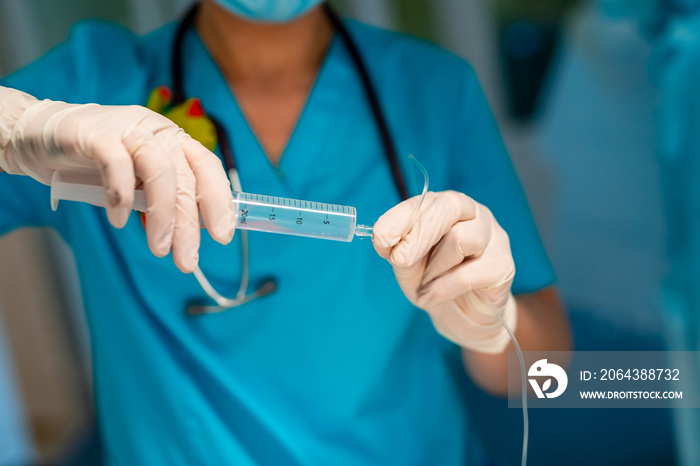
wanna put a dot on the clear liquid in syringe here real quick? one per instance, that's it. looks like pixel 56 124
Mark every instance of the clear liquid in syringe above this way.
pixel 295 217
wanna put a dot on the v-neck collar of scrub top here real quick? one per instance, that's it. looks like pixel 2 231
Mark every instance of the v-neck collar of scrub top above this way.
pixel 304 152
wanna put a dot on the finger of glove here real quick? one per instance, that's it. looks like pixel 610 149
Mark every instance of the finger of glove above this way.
pixel 213 191
pixel 446 209
pixel 186 234
pixel 391 227
pixel 482 273
pixel 464 240
pixel 409 278
pixel 154 166
pixel 117 171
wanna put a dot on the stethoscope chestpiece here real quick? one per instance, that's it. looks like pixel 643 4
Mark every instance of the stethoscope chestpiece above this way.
pixel 198 308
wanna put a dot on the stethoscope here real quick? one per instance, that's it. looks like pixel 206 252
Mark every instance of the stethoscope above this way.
pixel 269 285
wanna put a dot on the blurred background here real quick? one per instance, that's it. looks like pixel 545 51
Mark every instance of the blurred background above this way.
pixel 582 93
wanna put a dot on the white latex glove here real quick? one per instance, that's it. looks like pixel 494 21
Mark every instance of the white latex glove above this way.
pixel 118 144
pixel 455 263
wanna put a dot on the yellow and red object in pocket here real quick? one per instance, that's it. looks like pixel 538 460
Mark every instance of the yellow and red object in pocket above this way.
pixel 189 115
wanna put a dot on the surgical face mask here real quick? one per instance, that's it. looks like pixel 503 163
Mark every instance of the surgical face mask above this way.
pixel 269 11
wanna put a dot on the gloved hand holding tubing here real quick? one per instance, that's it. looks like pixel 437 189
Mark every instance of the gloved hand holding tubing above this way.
pixel 455 263
pixel 123 146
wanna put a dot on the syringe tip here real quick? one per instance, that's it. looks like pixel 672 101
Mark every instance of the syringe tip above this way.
pixel 363 231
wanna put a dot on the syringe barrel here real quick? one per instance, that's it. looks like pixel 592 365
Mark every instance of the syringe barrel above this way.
pixel 295 217
pixel 62 190
pixel 253 211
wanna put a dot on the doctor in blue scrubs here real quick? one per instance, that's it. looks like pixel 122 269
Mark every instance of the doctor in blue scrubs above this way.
pixel 348 353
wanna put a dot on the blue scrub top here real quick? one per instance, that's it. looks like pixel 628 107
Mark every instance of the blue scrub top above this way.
pixel 336 367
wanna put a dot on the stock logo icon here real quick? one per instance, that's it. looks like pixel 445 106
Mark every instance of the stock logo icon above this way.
pixel 541 369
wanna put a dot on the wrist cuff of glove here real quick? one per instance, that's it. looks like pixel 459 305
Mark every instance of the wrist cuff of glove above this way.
pixel 490 338
pixel 13 104
pixel 499 342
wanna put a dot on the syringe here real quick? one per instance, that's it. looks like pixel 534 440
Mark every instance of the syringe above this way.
pixel 254 212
